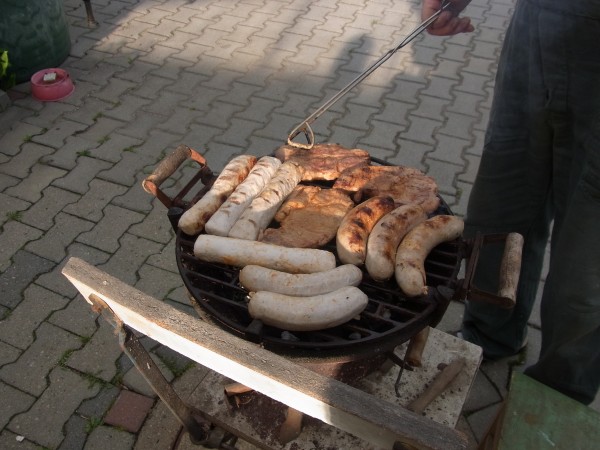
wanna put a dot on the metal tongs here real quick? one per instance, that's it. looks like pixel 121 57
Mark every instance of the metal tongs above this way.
pixel 304 126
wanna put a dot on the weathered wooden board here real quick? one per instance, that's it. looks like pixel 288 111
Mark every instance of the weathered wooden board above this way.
pixel 349 409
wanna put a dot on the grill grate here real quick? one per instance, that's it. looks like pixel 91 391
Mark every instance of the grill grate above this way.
pixel 389 319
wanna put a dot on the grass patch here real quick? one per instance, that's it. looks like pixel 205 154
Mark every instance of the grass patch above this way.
pixel 92 423
pixel 84 153
pixel 14 215
pixel 103 140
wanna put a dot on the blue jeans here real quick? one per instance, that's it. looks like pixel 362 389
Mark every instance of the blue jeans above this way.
pixel 541 165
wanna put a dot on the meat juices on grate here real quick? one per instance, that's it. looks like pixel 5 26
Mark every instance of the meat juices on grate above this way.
pixel 309 218
pixel 405 185
pixel 324 161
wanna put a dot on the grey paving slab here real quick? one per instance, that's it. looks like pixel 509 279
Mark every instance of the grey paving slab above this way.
pixel 53 244
pixel 106 234
pixel 98 357
pixel 77 317
pixel 109 437
pixel 28 156
pixel 42 213
pixel 78 179
pixel 14 402
pixel 38 179
pixel 12 208
pixel 24 268
pixel 19 328
pixel 12 441
pixel 14 236
pixel 75 433
pixel 93 202
pixel 29 372
pixel 66 156
pixel 43 423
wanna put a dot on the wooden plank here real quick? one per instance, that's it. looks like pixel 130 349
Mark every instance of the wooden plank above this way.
pixel 536 416
pixel 331 401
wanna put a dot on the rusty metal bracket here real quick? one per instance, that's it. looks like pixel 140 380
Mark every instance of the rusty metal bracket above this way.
pixel 199 432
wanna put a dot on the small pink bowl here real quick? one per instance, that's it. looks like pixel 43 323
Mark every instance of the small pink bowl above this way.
pixel 50 85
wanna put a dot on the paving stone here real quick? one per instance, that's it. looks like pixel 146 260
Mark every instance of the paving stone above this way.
pixel 9 205
pixel 14 236
pixel 135 198
pixel 421 129
pixel 481 420
pixel 127 108
pixel 20 132
pixel 157 282
pixel 14 402
pixel 23 270
pixel 471 170
pixel 381 139
pixel 102 130
pixel 37 304
pixel 44 422
pixel 21 164
pixel 66 156
pixel 449 149
pixel 483 393
pixel 8 353
pixel 30 188
pixel 106 234
pixel 113 148
pixel 97 406
pixel 444 173
pixel 98 356
pixel 29 372
pixel 142 125
pixel 430 107
pixel 12 441
pixel 57 282
pixel 160 430
pixel 42 214
pixel 7 181
pixel 132 253
pixel 75 433
pixel 458 125
pixel 56 135
pixel 52 113
pixel 53 244
pixel 109 437
pixel 78 179
pixel 165 259
pixel 91 205
pixel 124 172
pixel 155 226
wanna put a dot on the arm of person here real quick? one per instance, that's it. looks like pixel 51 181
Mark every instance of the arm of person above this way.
pixel 448 23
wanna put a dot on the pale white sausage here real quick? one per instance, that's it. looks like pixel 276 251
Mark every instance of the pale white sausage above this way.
pixel 192 221
pixel 386 236
pixel 416 245
pixel 261 211
pixel 257 278
pixel 241 252
pixel 307 313
pixel 222 220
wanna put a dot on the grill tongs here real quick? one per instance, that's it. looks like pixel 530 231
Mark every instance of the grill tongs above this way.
pixel 304 126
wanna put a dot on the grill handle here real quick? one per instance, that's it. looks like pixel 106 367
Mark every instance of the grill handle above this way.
pixel 508 276
pixel 167 167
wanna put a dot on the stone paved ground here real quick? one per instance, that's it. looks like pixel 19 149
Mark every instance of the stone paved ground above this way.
pixel 225 77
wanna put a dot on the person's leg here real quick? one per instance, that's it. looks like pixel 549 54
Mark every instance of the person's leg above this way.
pixel 512 191
pixel 570 355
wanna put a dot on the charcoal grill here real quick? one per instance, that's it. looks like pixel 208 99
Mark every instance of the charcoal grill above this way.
pixel 389 320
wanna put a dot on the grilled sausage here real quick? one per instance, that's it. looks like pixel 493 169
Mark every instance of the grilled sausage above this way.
pixel 352 235
pixel 385 238
pixel 263 208
pixel 307 313
pixel 192 221
pixel 416 245
pixel 241 252
pixel 257 278
pixel 222 220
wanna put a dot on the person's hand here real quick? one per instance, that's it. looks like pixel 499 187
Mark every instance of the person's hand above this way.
pixel 448 22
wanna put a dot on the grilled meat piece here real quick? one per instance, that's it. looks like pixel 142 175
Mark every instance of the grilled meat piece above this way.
pixel 309 218
pixel 324 161
pixel 405 185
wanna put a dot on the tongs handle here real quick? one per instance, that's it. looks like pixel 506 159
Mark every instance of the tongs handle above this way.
pixel 167 167
pixel 304 126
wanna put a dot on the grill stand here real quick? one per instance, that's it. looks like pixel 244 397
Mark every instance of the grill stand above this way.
pixel 381 423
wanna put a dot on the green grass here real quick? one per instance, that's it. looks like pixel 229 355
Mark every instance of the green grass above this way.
pixel 14 215
pixel 84 153
pixel 103 140
pixel 92 423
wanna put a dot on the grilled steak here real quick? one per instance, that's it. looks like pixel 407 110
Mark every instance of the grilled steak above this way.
pixel 405 185
pixel 309 218
pixel 324 161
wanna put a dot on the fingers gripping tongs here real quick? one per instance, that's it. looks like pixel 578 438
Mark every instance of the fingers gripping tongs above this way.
pixel 304 126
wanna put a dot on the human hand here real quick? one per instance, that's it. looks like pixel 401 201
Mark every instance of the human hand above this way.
pixel 448 23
